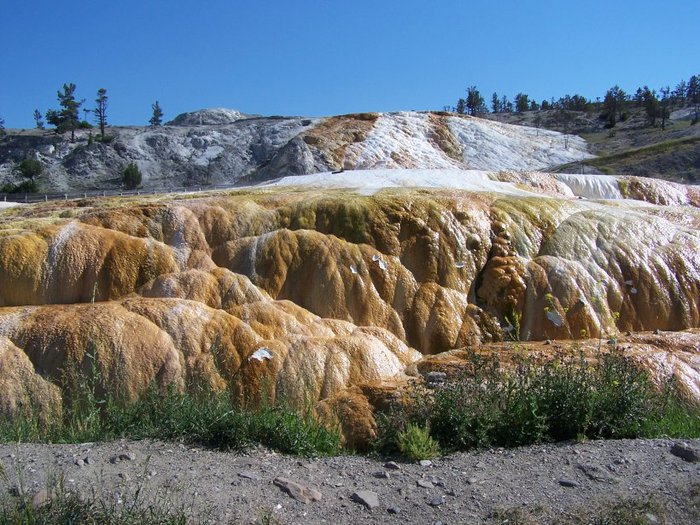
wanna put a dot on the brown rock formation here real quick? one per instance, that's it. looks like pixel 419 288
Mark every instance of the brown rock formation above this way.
pixel 315 296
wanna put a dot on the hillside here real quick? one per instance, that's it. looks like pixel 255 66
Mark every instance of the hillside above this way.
pixel 223 146
pixel 631 148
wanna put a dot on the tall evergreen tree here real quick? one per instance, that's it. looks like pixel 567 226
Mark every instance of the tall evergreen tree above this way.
pixel 38 119
pixel 2 126
pixel 639 97
pixel 506 105
pixel 693 94
pixel 679 93
pixel 521 103
pixel 100 110
pixel 614 105
pixel 475 102
pixel 461 106
pixel 495 103
pixel 651 104
pixel 69 115
pixel 157 116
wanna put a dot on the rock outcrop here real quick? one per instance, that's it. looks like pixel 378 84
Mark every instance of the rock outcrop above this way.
pixel 223 146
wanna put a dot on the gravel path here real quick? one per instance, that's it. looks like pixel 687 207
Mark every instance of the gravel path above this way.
pixel 539 484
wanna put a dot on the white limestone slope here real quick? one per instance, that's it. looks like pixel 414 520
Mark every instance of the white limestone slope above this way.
pixel 221 146
pixel 368 182
pixel 493 145
pixel 506 183
pixel 412 140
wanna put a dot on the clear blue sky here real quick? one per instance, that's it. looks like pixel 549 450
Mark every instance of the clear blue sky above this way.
pixel 306 57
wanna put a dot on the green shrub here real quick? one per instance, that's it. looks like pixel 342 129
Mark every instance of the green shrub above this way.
pixel 531 401
pixel 29 168
pixel 26 186
pixel 131 176
pixel 415 442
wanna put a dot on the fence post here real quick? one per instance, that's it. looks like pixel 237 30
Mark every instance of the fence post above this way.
pixel 25 197
pixel 65 196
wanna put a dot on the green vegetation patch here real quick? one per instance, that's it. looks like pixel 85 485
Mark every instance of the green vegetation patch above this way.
pixel 542 400
pixel 643 158
pixel 198 416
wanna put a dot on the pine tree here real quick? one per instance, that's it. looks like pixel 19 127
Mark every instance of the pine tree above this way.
pixel 69 116
pixel 679 93
pixel 2 126
pixel 475 102
pixel 693 94
pixel 100 110
pixel 461 105
pixel 506 105
pixel 157 117
pixel 521 103
pixel 37 119
pixel 651 104
pixel 495 103
pixel 613 105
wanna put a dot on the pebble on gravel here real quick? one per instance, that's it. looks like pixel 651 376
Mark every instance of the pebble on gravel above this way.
pixel 392 465
pixel 298 491
pixel 367 498
pixel 568 483
pixel 424 484
pixel 129 456
pixel 436 502
pixel 425 463
pixel 393 510
pixel 596 473
pixel 686 452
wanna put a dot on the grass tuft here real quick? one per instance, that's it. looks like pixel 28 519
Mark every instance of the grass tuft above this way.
pixel 416 443
pixel 207 418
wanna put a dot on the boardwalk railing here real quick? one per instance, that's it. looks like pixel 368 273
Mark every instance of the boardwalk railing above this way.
pixel 73 195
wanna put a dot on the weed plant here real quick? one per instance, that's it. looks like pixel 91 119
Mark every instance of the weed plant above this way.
pixel 62 506
pixel 415 442
pixel 543 400
pixel 198 415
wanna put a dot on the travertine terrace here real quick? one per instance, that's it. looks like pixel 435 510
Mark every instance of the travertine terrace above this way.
pixel 332 290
